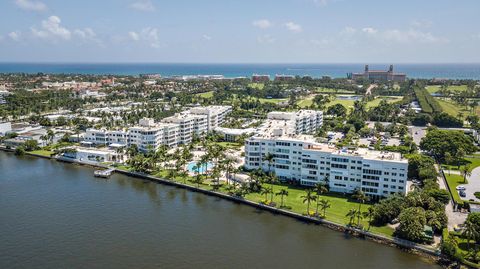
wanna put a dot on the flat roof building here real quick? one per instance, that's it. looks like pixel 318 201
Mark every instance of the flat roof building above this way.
pixel 380 75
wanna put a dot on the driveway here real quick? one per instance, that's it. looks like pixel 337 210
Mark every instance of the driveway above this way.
pixel 417 133
pixel 473 185
pixel 455 218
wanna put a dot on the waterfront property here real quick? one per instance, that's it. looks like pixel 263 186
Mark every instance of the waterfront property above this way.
pixel 380 75
pixel 172 131
pixel 297 157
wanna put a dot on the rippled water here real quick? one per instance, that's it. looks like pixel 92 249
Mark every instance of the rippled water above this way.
pixel 55 215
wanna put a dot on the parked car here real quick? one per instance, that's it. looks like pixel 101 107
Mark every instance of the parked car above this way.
pixel 462 193
pixel 460 188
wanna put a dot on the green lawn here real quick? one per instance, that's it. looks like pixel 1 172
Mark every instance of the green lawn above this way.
pixel 306 102
pixel 453 182
pixel 340 206
pixel 271 100
pixel 328 90
pixel 42 152
pixel 229 145
pixel 258 86
pixel 390 99
pixel 205 94
pixel 435 88
pixel 473 161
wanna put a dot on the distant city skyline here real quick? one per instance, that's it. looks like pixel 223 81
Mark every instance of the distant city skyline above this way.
pixel 289 31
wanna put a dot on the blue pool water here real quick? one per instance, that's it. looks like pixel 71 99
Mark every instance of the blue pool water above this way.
pixel 200 169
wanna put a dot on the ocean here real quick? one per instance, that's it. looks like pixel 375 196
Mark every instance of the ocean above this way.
pixel 450 71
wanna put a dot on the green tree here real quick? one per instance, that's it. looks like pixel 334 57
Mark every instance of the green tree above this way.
pixel 308 198
pixel 369 215
pixel 282 193
pixel 470 232
pixel 324 205
pixel 466 171
pixel 411 224
pixel 361 197
pixel 352 214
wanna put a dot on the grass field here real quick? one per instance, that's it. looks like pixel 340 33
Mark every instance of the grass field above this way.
pixel 41 152
pixel 453 182
pixel 328 90
pixel 258 86
pixel 229 145
pixel 205 94
pixel 339 206
pixel 453 109
pixel 271 100
pixel 473 161
pixel 435 88
pixel 390 99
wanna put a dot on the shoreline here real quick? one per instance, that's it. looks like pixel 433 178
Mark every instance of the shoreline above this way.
pixel 404 245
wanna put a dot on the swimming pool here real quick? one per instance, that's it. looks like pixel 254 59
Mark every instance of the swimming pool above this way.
pixel 200 169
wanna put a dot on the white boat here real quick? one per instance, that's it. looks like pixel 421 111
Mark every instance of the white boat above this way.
pixel 103 173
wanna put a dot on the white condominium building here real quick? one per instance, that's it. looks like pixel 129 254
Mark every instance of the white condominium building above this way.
pixel 299 158
pixel 215 114
pixel 172 131
pixel 303 121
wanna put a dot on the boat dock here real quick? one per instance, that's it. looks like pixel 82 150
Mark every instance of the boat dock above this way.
pixel 104 173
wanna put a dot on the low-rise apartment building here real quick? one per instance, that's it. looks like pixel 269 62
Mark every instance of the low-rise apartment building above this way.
pixel 172 131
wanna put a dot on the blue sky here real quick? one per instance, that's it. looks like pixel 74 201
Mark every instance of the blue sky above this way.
pixel 241 31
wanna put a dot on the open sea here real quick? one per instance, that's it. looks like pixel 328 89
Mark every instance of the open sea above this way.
pixel 450 71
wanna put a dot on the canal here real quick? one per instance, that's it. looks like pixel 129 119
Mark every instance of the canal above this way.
pixel 56 215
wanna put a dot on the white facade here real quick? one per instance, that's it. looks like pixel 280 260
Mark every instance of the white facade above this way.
pixel 302 160
pixel 5 127
pixel 172 131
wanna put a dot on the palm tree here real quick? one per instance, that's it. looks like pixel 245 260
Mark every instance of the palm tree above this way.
pixel 321 188
pixel 466 172
pixel 308 198
pixel 360 196
pixel 470 232
pixel 352 213
pixel 265 191
pixel 369 214
pixel 269 158
pixel 324 205
pixel 282 193
pixel 228 164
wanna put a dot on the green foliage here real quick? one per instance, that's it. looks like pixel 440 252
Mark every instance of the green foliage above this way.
pixel 421 167
pixel 446 120
pixel 438 142
pixel 412 221
pixel 427 102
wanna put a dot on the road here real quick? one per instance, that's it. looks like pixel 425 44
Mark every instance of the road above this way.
pixel 417 133
pixel 473 185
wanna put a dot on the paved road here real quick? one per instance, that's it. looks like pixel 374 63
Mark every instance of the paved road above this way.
pixel 473 185
pixel 417 133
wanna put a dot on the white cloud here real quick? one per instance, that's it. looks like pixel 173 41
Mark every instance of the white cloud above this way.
pixel 88 35
pixel 133 36
pixel 421 23
pixel 369 30
pixel 410 36
pixel 262 24
pixel 15 35
pixel 143 5
pixel 148 35
pixel 31 5
pixel 265 39
pixel 291 26
pixel 52 30
pixel 206 37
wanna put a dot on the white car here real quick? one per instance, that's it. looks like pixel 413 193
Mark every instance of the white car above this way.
pixel 460 188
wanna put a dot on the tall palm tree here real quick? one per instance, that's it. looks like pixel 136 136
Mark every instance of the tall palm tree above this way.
pixel 324 205
pixel 369 214
pixel 360 196
pixel 466 171
pixel 228 164
pixel 265 191
pixel 308 198
pixel 269 158
pixel 321 188
pixel 470 232
pixel 282 193
pixel 352 214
